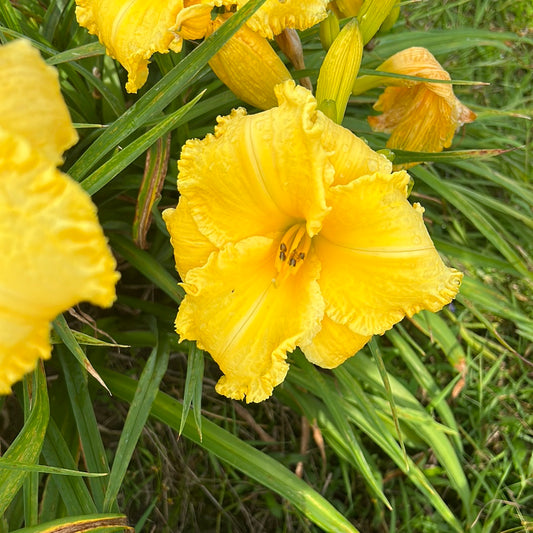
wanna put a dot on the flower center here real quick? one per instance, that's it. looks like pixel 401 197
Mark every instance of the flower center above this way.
pixel 293 249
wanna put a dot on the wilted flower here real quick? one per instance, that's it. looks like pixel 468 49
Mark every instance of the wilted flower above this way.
pixel 421 116
pixel 290 231
pixel 53 251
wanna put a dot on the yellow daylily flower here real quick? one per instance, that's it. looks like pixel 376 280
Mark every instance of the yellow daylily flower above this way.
pixel 53 251
pixel 421 116
pixel 133 30
pixel 290 231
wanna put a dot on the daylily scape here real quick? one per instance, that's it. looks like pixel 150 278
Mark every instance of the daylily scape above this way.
pixel 290 231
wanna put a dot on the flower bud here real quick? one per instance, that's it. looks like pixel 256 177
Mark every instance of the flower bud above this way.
pixel 250 67
pixel 372 15
pixel 328 30
pixel 340 68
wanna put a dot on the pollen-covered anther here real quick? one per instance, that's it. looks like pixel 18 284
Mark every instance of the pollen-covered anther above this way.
pixel 293 249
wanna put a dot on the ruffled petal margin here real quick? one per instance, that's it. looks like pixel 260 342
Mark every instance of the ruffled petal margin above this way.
pixel 54 253
pixel 268 170
pixel 132 31
pixel 247 323
pixel 378 261
pixel 31 104
pixel 333 344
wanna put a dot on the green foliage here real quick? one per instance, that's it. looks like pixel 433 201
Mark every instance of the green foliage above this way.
pixel 445 446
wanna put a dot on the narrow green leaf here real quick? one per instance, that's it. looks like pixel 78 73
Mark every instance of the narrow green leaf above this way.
pixel 162 93
pixel 29 467
pixel 403 156
pixel 138 413
pixel 27 446
pixel 106 172
pixel 193 388
pixel 80 524
pixel 376 353
pixel 74 54
pixel 241 456
pixel 82 406
pixel 73 490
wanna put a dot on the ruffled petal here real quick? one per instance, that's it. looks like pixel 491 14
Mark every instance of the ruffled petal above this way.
pixel 54 253
pixel 31 104
pixel 333 344
pixel 351 157
pixel 193 21
pixel 275 15
pixel 247 323
pixel 422 116
pixel 378 261
pixel 132 31
pixel 258 174
pixel 23 341
pixel 248 65
pixel 191 248
pixel 416 117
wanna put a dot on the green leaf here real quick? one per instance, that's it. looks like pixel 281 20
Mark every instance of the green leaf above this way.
pixel 193 388
pixel 73 490
pixel 80 524
pixel 106 172
pixel 30 467
pixel 241 456
pixel 138 413
pixel 82 407
pixel 27 445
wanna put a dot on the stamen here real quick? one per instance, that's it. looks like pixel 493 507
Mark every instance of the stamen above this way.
pixel 293 249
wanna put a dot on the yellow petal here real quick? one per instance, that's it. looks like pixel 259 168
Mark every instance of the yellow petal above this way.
pixel 333 344
pixel 193 21
pixel 191 248
pixel 54 253
pixel 258 174
pixel 248 65
pixel 351 156
pixel 246 322
pixel 23 341
pixel 31 104
pixel 132 31
pixel 274 16
pixel 422 116
pixel 378 261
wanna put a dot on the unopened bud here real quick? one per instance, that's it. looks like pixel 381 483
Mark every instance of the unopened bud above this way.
pixel 328 30
pixel 372 15
pixel 340 68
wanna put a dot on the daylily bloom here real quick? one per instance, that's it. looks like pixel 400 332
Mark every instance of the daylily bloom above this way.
pixel 421 116
pixel 290 231
pixel 52 248
pixel 132 31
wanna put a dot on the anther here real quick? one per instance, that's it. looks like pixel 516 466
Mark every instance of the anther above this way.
pixel 292 262
pixel 282 256
pixel 301 256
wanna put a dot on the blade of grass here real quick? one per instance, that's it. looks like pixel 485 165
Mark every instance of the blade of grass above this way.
pixel 91 441
pixel 96 522
pixel 66 335
pixel 240 455
pixel 106 172
pixel 27 445
pixel 73 490
pixel 138 413
pixel 193 388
